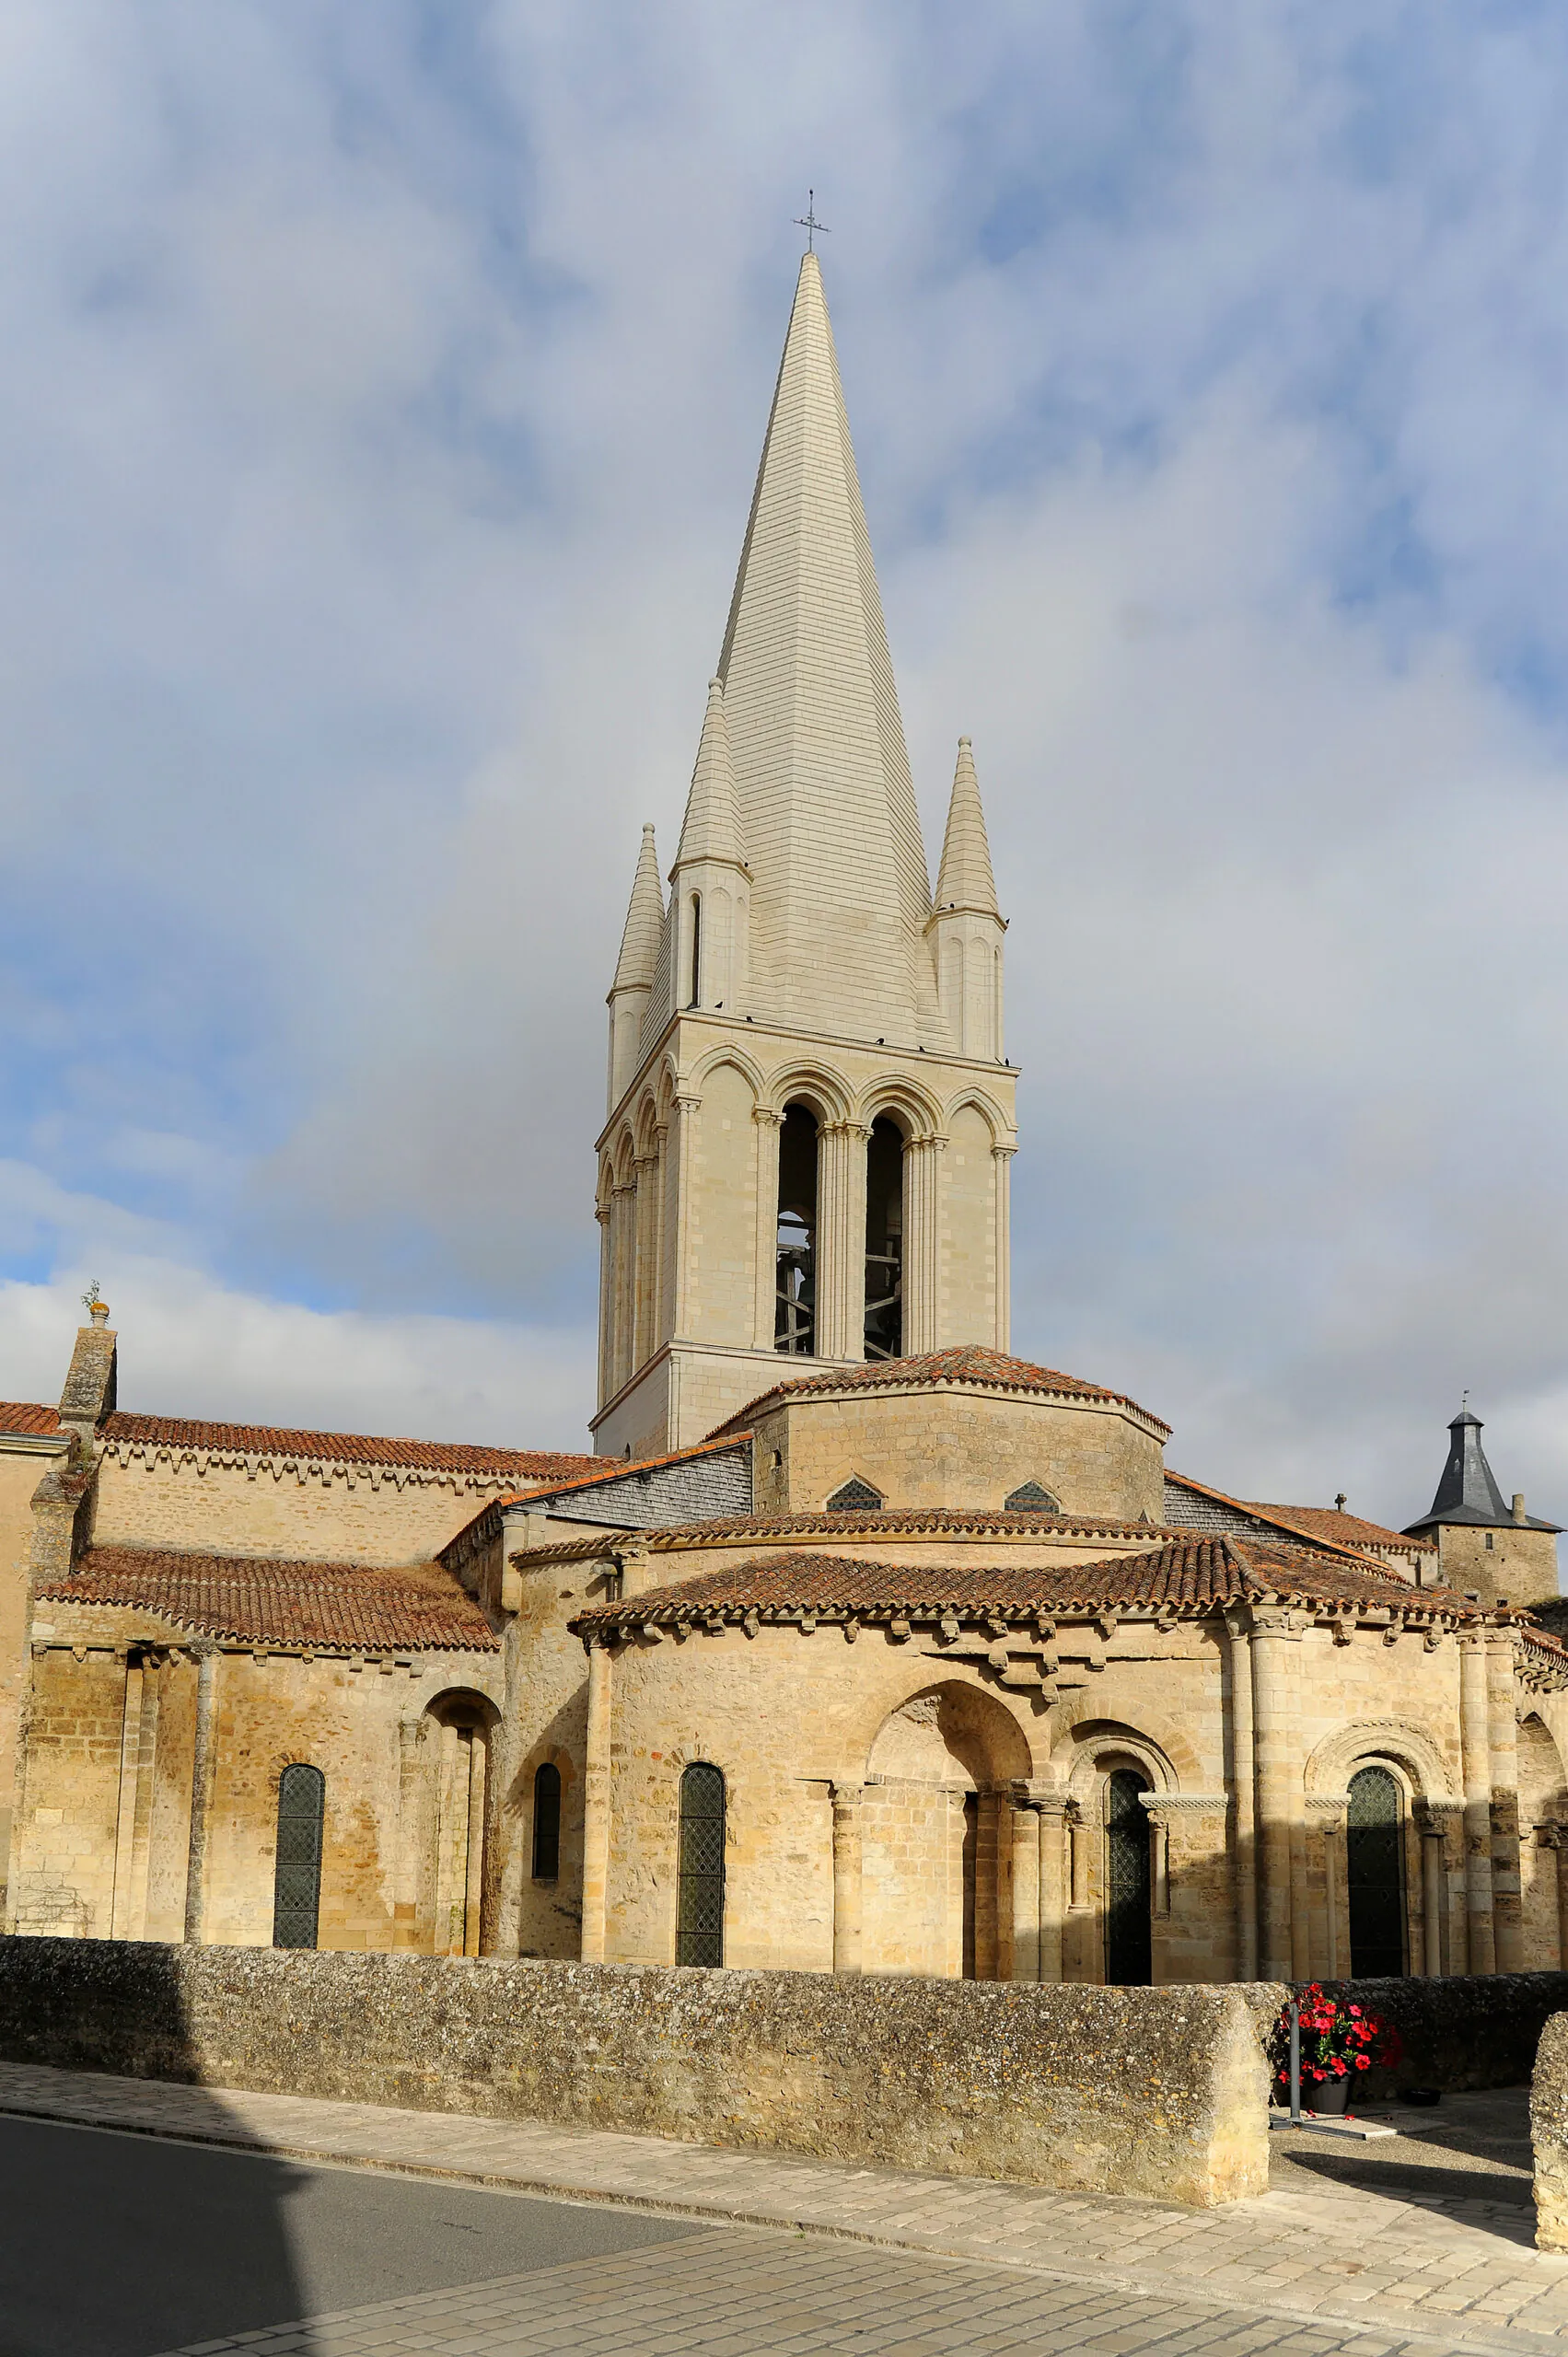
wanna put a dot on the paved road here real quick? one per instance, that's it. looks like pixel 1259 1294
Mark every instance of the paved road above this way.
pixel 115 2245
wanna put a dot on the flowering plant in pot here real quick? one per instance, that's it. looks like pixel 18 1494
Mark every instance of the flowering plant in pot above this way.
pixel 1340 2042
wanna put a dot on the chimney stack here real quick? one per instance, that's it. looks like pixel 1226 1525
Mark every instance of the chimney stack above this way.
pixel 1518 1505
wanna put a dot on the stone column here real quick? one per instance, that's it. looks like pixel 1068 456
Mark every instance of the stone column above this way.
pixel 602 1213
pixel 205 1655
pixel 1429 1826
pixel 1476 1754
pixel 120 1903
pixel 1002 1163
pixel 1244 1786
pixel 766 1167
pixel 683 1128
pixel 473 1889
pixel 840 1241
pixel 595 1807
pixel 405 1888
pixel 1327 1810
pixel 1025 1891
pixel 1555 1838
pixel 1507 1896
pixel 146 1781
pixel 644 1320
pixel 923 1243
pixel 623 1234
pixel 847 1801
pixel 1274 1750
pixel 1052 1811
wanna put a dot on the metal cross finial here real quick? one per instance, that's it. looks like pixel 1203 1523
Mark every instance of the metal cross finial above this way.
pixel 809 223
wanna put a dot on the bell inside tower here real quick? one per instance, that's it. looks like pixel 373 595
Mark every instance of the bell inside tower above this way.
pixel 885 1242
pixel 795 1308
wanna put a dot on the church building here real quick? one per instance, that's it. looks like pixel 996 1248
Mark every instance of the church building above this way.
pixel 856 1643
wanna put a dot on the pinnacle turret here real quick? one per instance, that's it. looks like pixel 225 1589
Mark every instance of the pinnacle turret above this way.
pixel 636 969
pixel 965 881
pixel 712 828
pixel 638 961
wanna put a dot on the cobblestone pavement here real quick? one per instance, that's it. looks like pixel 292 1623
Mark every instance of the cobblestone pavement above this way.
pixel 753 2294
pixel 1427 2266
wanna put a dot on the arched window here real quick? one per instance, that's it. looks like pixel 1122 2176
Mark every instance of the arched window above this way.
pixel 1375 1870
pixel 1128 1949
pixel 855 1497
pixel 546 1823
pixel 296 1876
pixel 794 1309
pixel 696 998
pixel 885 1242
pixel 699 1932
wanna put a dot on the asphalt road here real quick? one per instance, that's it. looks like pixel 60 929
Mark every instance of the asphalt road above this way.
pixel 115 2245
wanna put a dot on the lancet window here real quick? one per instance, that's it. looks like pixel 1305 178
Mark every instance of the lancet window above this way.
pixel 699 1937
pixel 885 1242
pixel 1375 1873
pixel 296 1878
pixel 546 1822
pixel 794 1308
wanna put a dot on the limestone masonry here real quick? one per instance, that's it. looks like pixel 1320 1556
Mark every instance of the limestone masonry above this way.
pixel 858 1645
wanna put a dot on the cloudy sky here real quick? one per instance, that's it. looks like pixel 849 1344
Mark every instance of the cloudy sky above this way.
pixel 383 387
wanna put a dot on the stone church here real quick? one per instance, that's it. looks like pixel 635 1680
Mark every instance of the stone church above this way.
pixel 857 1644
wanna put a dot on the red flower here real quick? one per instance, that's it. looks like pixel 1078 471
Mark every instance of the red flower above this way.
pixel 1362 2063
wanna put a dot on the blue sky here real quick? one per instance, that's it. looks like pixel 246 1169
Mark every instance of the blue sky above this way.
pixel 384 386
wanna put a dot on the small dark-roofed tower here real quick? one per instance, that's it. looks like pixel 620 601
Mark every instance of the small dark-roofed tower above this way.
pixel 1483 1546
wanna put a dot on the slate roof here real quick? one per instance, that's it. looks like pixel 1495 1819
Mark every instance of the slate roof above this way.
pixel 619 1468
pixel 27 1416
pixel 1190 1576
pixel 969 1362
pixel 343 1448
pixel 1467 1489
pixel 258 1600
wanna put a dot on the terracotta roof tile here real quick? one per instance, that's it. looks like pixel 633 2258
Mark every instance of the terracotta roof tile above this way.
pixel 1321 1524
pixel 1344 1530
pixel 1190 1575
pixel 26 1416
pixel 340 1606
pixel 881 1522
pixel 966 1362
pixel 343 1448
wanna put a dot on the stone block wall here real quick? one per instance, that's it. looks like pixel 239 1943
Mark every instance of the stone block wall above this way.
pixel 1548 2134
pixel 1154 2092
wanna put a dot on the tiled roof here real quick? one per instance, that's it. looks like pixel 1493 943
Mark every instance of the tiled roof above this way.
pixel 1190 1576
pixel 965 1362
pixel 342 1448
pixel 1345 1529
pixel 27 1416
pixel 879 1522
pixel 1319 1523
pixel 340 1606
pixel 617 1468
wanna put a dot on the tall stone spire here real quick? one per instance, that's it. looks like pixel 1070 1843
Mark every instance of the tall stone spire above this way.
pixel 841 895
pixel 965 881
pixel 637 967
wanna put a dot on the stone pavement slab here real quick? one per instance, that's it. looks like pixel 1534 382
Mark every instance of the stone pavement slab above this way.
pixel 1464 2273
pixel 759 2294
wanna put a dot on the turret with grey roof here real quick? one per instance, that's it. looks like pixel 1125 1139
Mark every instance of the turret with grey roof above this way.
pixel 1486 1547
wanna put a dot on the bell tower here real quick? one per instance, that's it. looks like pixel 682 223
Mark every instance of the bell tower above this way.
pixel 810 1116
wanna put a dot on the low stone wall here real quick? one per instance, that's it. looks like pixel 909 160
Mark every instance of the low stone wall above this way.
pixel 1160 2092
pixel 1548 2134
pixel 1465 2032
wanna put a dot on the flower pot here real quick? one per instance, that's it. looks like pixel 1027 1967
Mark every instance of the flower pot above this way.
pixel 1326 2095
